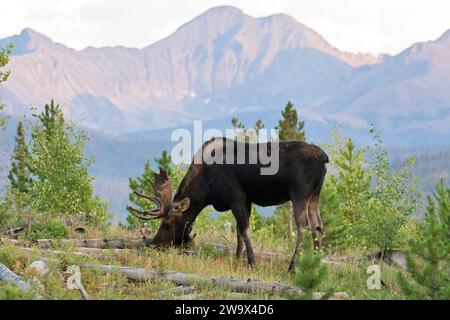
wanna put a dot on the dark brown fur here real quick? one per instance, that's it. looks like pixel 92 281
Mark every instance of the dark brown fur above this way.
pixel 236 186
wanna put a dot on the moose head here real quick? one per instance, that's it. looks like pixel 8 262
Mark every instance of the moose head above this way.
pixel 174 228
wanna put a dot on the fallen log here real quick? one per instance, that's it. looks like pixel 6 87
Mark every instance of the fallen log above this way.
pixel 180 290
pixel 8 276
pixel 185 279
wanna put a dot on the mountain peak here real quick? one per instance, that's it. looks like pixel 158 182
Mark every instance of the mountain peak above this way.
pixel 26 42
pixel 223 9
pixel 445 38
pixel 33 35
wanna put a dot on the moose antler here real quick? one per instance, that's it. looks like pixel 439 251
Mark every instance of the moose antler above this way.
pixel 162 198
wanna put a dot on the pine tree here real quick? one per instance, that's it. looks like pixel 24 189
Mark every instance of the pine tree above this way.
pixel 237 124
pixel 62 185
pixel 290 127
pixel 428 256
pixel 248 135
pixel 142 185
pixel 351 183
pixel 351 179
pixel 165 162
pixel 4 60
pixel 19 175
pixel 330 208
pixel 259 124
pixel 310 272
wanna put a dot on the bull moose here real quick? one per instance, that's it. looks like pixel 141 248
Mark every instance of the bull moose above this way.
pixel 235 186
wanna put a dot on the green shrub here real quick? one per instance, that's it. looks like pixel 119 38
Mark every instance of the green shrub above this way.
pixel 389 204
pixel 428 256
pixel 53 229
pixel 364 202
pixel 10 292
pixel 310 272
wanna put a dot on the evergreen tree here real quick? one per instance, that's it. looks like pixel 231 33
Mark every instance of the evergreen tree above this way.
pixel 310 272
pixel 4 60
pixel 330 208
pixel 248 135
pixel 63 186
pixel 165 162
pixel 290 127
pixel 351 180
pixel 19 175
pixel 428 256
pixel 142 185
pixel 237 124
pixel 259 124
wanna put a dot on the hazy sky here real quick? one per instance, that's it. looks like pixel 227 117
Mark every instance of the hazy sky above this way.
pixel 354 25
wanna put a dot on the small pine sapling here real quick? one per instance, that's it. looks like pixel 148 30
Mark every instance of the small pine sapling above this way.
pixel 428 256
pixel 310 272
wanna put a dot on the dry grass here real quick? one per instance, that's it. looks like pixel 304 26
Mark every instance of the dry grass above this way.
pixel 349 275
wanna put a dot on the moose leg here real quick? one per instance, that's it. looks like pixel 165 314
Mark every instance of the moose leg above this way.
pixel 300 217
pixel 243 223
pixel 240 243
pixel 240 239
pixel 315 222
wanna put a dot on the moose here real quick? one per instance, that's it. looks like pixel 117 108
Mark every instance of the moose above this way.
pixel 236 186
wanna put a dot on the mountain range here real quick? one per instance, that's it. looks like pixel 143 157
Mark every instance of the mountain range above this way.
pixel 225 63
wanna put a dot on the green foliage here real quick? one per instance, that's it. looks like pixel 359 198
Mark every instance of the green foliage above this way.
pixel 349 181
pixel 257 221
pixel 290 127
pixel 248 135
pixel 237 124
pixel 4 60
pixel 389 203
pixel 142 185
pixel 279 221
pixel 62 186
pixel 375 203
pixel 6 216
pixel 165 162
pixel 310 273
pixel 19 175
pixel 428 256
pixel 259 124
pixel 10 292
pixel 333 218
pixel 52 229
pixel 16 210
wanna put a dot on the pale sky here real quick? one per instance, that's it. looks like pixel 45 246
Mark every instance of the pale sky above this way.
pixel 377 26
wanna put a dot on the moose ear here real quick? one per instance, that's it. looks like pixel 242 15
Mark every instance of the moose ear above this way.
pixel 183 205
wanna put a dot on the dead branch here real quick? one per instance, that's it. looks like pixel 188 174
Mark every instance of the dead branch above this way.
pixel 184 279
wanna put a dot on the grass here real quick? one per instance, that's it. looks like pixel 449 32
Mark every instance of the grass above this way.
pixel 349 275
